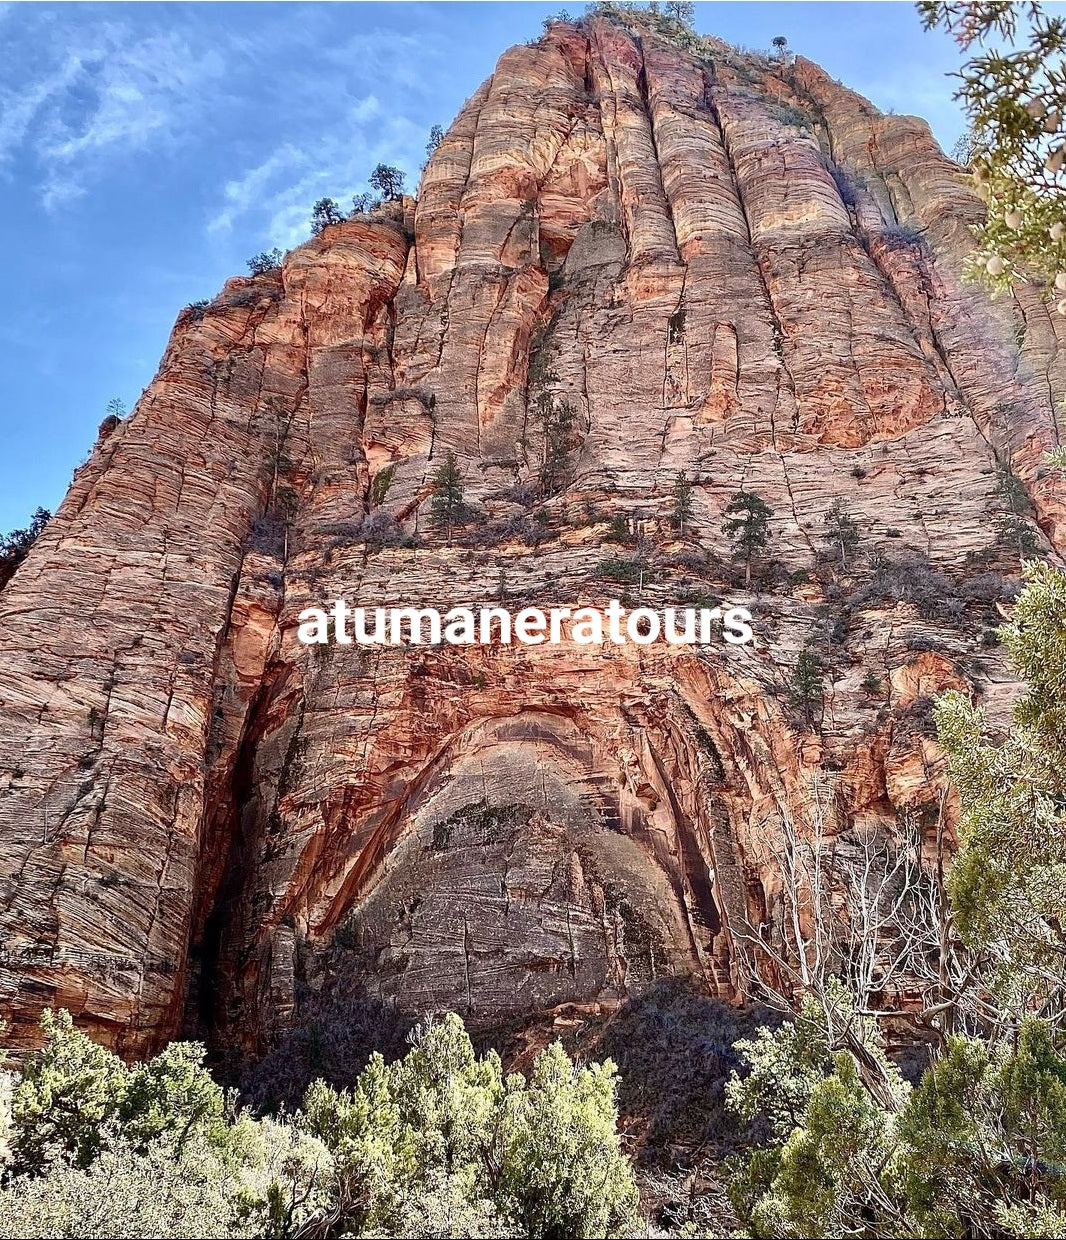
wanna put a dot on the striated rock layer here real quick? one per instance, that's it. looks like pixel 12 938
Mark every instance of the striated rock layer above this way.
pixel 726 265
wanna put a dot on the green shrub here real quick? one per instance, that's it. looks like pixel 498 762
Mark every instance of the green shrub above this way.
pixel 443 1126
pixel 69 1091
pixel 437 1143
pixel 126 1193
pixel 626 571
pixel 379 488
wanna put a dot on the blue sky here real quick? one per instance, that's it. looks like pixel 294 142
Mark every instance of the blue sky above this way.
pixel 147 150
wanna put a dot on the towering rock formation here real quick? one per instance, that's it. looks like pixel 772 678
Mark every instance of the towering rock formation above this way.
pixel 628 260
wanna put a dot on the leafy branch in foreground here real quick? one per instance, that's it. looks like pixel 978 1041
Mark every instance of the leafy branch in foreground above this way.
pixel 1014 93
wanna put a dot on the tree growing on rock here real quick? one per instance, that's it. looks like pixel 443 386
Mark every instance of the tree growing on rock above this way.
pixel 325 213
pixel 556 416
pixel 1014 526
pixel 747 525
pixel 681 11
pixel 436 137
pixel 14 547
pixel 683 501
pixel 447 503
pixel 841 532
pixel 806 688
pixel 388 181
pixel 266 260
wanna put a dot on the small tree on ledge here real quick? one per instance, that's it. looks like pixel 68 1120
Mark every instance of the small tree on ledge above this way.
pixel 447 505
pixel 267 260
pixel 388 181
pixel 324 213
pixel 747 523
pixel 841 532
pixel 683 502
pixel 807 688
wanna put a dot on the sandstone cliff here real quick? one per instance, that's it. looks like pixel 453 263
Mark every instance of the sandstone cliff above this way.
pixel 720 263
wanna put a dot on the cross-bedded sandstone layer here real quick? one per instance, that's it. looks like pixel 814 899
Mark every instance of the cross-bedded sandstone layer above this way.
pixel 625 260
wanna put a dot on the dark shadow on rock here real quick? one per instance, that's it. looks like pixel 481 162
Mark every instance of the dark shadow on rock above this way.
pixel 334 1042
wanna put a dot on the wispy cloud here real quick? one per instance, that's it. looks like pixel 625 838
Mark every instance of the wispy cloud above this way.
pixel 94 91
pixel 341 120
pixel 274 197
pixel 305 114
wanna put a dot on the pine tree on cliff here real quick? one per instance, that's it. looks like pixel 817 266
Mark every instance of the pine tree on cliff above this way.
pixel 324 213
pixel 14 547
pixel 747 523
pixel 388 181
pixel 683 501
pixel 447 505
pixel 806 689
pixel 841 531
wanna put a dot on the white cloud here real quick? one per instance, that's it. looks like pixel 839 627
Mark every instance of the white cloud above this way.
pixel 275 197
pixel 20 108
pixel 82 94
pixel 95 88
pixel 247 192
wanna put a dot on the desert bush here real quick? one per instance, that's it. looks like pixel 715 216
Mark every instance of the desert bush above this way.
pixel 674 1051
pixel 244 298
pixel 525 493
pixel 899 237
pixel 543 1155
pixel 267 535
pixel 911 578
pixel 626 571
pixel 918 718
pixel 439 1142
pixel 521 528
pixel 75 1095
pixel 127 1193
pixel 381 529
pixel 618 530
pixel 379 488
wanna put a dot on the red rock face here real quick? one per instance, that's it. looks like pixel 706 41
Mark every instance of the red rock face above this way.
pixel 728 266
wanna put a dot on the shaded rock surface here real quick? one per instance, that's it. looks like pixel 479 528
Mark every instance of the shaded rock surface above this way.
pixel 722 264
